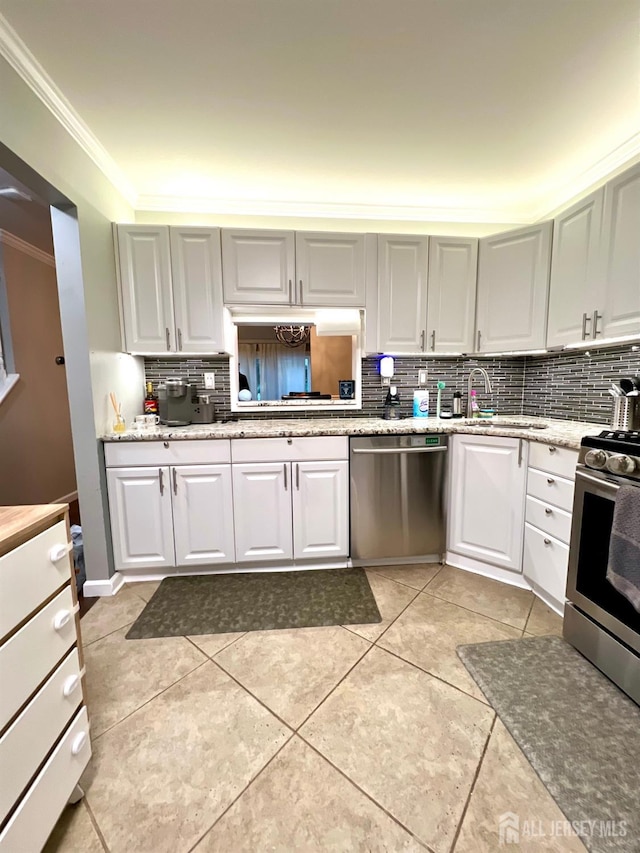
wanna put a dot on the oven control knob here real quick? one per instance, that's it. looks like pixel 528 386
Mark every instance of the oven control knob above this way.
pixel 620 464
pixel 596 458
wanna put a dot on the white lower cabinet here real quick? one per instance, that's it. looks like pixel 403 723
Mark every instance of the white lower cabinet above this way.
pixel 320 509
pixel 486 507
pixel 262 511
pixel 202 514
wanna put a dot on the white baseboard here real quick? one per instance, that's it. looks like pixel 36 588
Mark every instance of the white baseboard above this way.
pixel 468 564
pixel 400 561
pixel 551 602
pixel 93 589
pixel 139 575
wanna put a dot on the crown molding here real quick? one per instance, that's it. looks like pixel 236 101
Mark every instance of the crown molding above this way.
pixel 9 239
pixel 18 55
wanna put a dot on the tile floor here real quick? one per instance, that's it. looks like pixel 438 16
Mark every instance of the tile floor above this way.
pixel 362 738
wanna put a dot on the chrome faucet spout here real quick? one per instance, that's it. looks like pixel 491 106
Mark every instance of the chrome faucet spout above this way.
pixel 479 371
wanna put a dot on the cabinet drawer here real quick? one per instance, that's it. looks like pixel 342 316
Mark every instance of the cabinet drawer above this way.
pixel 27 741
pixel 545 562
pixel 203 452
pixel 556 460
pixel 43 803
pixel 33 651
pixel 290 449
pixel 548 518
pixel 550 488
pixel 31 573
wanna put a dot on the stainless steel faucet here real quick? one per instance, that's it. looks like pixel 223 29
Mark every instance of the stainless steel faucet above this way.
pixel 487 385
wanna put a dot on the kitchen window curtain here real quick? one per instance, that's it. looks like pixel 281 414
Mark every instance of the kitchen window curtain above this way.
pixel 272 370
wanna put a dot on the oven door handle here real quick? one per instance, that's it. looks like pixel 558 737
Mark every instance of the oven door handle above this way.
pixel 604 482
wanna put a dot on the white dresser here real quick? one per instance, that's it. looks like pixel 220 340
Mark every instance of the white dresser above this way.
pixel 44 728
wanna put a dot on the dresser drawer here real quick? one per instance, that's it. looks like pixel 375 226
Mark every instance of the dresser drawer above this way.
pixel 203 452
pixel 556 460
pixel 31 573
pixel 550 488
pixel 41 806
pixel 25 744
pixel 545 562
pixel 32 652
pixel 548 518
pixel 303 449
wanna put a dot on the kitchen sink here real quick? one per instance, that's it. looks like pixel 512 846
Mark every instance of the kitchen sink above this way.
pixel 502 425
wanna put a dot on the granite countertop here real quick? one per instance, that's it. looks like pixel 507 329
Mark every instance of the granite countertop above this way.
pixel 546 430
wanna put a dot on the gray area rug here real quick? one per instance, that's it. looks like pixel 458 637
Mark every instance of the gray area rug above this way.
pixel 256 601
pixel 578 731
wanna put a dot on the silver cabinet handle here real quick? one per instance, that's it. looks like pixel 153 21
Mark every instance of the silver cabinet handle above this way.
pixel 301 300
pixel 166 444
pixel 548 511
pixel 585 319
pixel 547 541
pixel 433 340
pixel 519 453
pixel 550 480
pixel 297 477
pixel 594 327
pixel 161 476
pixel 422 334
pixel 175 481
pixel 285 477
pixel 290 292
pixel 179 338
pixel 168 337
pixel 552 449
pixel 478 339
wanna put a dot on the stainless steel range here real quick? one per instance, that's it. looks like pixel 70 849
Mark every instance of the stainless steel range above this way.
pixel 599 621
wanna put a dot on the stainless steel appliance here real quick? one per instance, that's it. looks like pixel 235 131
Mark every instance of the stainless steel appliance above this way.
pixel 599 621
pixel 175 401
pixel 397 496
pixel 203 411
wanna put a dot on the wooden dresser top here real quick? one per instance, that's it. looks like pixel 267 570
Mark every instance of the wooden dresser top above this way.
pixel 20 523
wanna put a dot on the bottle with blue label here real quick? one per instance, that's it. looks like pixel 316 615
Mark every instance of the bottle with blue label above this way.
pixel 420 404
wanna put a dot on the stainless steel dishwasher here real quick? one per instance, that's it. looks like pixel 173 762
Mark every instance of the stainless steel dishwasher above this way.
pixel 397 496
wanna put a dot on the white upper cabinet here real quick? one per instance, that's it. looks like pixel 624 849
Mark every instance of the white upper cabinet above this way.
pixel 145 279
pixel 402 293
pixel 258 267
pixel 330 269
pixel 513 289
pixel 202 514
pixel 574 271
pixel 262 511
pixel 320 509
pixel 171 288
pixel 197 289
pixel 619 290
pixel 451 303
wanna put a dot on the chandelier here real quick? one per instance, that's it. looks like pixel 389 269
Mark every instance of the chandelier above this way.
pixel 292 336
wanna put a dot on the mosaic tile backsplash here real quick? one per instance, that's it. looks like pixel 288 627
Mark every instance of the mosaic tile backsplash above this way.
pixel 568 385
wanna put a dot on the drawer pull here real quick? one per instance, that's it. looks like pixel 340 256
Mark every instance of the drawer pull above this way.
pixel 547 541
pixel 70 685
pixel 62 617
pixel 550 480
pixel 78 743
pixel 58 552
pixel 552 450
pixel 548 511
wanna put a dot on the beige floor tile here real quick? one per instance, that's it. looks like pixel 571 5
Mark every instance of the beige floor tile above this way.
pixel 330 813
pixel 144 589
pixel 497 600
pixel 74 833
pixel 124 674
pixel 429 631
pixel 410 741
pixel 162 777
pixel 416 576
pixel 110 613
pixel 391 598
pixel 542 620
pixel 507 783
pixel 211 644
pixel 292 671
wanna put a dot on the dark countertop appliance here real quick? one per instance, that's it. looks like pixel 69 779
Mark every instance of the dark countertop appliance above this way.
pixel 176 399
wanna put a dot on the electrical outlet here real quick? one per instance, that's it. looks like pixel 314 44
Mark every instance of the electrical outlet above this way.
pixel 386 381
pixel 422 377
pixel 210 381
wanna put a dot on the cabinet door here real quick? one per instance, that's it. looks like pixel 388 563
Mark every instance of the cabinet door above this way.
pixel 486 504
pixel 320 509
pixel 402 293
pixel 619 292
pixel 145 286
pixel 513 289
pixel 262 511
pixel 451 303
pixel 574 271
pixel 330 269
pixel 197 289
pixel 203 514
pixel 141 519
pixel 258 266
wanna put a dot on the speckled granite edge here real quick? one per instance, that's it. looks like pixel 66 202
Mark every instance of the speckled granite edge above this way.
pixel 560 433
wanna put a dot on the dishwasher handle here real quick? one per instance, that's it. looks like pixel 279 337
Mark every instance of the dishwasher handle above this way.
pixel 377 450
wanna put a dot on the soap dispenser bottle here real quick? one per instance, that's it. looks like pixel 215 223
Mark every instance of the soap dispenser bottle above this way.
pixel 392 404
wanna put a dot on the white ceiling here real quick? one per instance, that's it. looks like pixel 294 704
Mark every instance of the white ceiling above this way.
pixel 477 110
